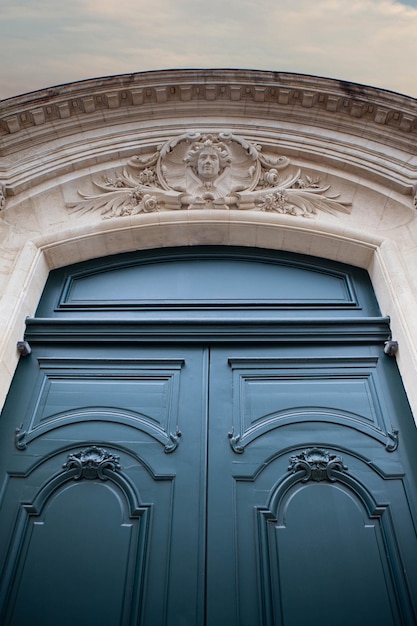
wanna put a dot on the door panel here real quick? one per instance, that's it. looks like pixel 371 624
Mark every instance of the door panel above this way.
pixel 327 556
pixel 103 501
pixel 88 515
pixel 309 495
pixel 194 486
pixel 141 393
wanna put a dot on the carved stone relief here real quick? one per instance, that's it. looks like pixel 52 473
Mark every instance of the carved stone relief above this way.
pixel 210 171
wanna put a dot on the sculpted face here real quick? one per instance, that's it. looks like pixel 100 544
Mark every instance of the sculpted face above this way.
pixel 208 164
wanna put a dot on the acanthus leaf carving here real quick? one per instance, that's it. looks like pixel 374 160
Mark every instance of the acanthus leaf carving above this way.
pixel 174 441
pixel 392 440
pixel 209 171
pixel 317 464
pixel 91 462
pixel 19 439
pixel 2 195
pixel 234 441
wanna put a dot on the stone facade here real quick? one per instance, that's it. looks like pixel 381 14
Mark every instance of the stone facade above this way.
pixel 160 159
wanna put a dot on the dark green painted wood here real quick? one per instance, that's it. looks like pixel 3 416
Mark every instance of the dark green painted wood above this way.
pixel 330 553
pixel 294 551
pixel 67 573
pixel 213 329
pixel 204 512
pixel 209 280
pixel 203 279
pixel 65 406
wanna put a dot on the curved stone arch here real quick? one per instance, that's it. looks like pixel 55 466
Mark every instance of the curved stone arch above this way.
pixel 334 242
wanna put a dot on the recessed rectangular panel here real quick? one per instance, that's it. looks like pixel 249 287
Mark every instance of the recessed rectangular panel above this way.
pixel 208 280
pixel 135 392
pixel 264 397
pixel 269 393
pixel 148 396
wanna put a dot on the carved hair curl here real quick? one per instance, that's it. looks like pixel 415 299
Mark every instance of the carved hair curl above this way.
pixel 197 147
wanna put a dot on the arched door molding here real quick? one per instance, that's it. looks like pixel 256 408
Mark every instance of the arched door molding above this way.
pixel 356 141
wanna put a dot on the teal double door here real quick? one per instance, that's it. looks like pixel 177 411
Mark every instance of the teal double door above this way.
pixel 208 437
pixel 207 483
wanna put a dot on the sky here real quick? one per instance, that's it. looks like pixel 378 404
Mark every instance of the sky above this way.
pixel 50 42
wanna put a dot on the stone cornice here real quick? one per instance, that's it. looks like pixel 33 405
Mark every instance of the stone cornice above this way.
pixel 352 108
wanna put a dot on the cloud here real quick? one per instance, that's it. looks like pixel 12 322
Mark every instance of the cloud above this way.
pixel 410 3
pixel 365 41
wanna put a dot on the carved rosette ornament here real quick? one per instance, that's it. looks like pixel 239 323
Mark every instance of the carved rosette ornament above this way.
pixel 209 171
pixel 91 463
pixel 317 464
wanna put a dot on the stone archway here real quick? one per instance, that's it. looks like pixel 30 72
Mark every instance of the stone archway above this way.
pixel 361 143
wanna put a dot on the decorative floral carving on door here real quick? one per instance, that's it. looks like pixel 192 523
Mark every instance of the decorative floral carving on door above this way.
pixel 317 464
pixel 91 462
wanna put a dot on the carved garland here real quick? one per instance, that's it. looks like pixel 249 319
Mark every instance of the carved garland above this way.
pixel 317 464
pixel 209 171
pixel 91 463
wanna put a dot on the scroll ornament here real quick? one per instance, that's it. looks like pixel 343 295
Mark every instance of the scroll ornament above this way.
pixel 209 171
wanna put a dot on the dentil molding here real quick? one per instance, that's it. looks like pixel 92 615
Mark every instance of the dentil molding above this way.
pixel 283 90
